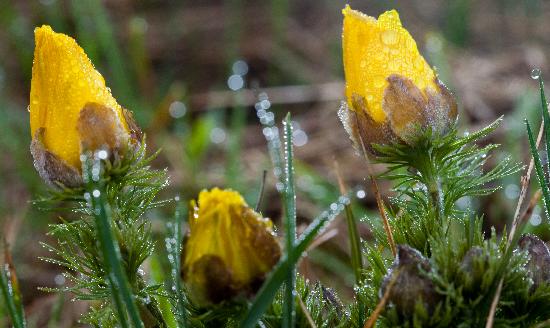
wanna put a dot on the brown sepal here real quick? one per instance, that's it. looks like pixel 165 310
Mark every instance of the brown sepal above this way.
pixel 100 128
pixel 411 112
pixel 219 282
pixel 264 243
pixel 52 169
pixel 361 127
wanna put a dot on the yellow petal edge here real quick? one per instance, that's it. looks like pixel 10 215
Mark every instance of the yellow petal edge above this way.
pixel 375 49
pixel 219 228
pixel 63 81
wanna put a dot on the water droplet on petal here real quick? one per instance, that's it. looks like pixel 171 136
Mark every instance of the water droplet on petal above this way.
pixel 389 37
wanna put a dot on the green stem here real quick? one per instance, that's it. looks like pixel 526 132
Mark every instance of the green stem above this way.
pixel 436 197
pixel 432 181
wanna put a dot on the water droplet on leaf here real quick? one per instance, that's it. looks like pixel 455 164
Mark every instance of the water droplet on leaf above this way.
pixel 535 74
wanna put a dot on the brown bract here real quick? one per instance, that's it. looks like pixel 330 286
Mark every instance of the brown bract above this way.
pixel 52 169
pixel 538 267
pixel 409 114
pixel 412 285
pixel 99 129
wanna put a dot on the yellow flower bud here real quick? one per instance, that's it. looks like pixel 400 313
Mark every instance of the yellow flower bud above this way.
pixel 229 250
pixel 71 109
pixel 392 93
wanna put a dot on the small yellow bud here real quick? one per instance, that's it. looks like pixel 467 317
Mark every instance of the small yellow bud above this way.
pixel 229 250
pixel 71 109
pixel 392 93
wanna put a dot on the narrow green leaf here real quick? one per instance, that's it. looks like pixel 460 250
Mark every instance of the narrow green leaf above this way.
pixel 289 198
pixel 355 244
pixel 546 120
pixel 279 274
pixel 118 281
pixel 538 168
pixel 9 297
pixel 478 134
pixel 174 246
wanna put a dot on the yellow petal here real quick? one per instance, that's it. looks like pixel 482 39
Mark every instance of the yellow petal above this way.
pixel 63 81
pixel 223 228
pixel 375 49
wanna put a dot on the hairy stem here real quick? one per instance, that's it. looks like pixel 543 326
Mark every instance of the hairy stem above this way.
pixel 436 197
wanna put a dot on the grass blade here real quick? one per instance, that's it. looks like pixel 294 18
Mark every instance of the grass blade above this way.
pixel 10 292
pixel 546 120
pixel 539 168
pixel 279 274
pixel 289 197
pixel 174 248
pixel 118 281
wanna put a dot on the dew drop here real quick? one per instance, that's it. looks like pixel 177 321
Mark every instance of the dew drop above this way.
pixel 378 83
pixel 177 109
pixel 389 37
pixel 217 135
pixel 240 67
pixel 235 82
pixel 535 74
pixel 102 154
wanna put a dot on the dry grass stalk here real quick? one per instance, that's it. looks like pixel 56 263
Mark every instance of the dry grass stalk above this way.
pixel 378 197
pixel 306 312
pixel 380 306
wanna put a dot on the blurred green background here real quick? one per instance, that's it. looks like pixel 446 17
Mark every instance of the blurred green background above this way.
pixel 193 73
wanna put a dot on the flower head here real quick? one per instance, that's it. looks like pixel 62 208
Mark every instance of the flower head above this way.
pixel 71 109
pixel 392 93
pixel 230 247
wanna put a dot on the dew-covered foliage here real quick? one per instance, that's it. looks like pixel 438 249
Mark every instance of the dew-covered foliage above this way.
pixel 429 242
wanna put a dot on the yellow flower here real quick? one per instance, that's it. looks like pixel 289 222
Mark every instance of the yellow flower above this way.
pixel 71 109
pixel 392 93
pixel 229 250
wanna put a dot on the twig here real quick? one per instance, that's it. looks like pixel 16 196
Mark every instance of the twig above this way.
pixel 524 185
pixel 331 91
pixel 494 303
pixel 306 312
pixel 380 306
